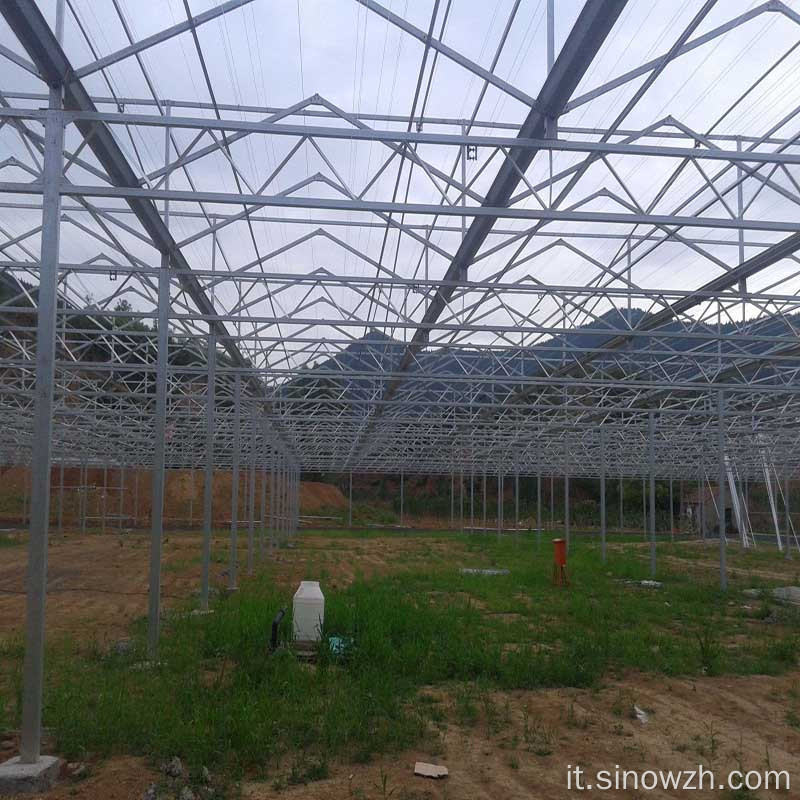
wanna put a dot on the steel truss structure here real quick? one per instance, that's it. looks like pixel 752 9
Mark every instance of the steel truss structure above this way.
pixel 584 287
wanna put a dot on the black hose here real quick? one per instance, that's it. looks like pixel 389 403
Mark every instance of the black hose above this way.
pixel 276 623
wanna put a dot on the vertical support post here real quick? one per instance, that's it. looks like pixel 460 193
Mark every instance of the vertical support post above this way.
pixel 245 504
pixel 539 509
pixel 350 503
pixel 136 498
pixel 516 502
pixel 84 496
pixel 41 453
pixel 452 498
pixel 61 495
pixel 787 551
pixel 287 500
pixel 602 494
pixel 644 509
pixel 233 558
pixel 290 497
pixel 191 498
pixel 159 436
pixel 121 494
pixel 472 498
pixel 499 501
pixel 251 495
pixel 723 543
pixel 461 496
pixel 566 509
pixel 671 513
pixel 263 513
pixel 284 499
pixel 702 485
pixel 621 517
pixel 278 498
pixel 273 501
pixel 402 496
pixel 296 506
pixel 566 492
pixel 208 483
pixel 105 493
pixel 652 457
pixel 484 500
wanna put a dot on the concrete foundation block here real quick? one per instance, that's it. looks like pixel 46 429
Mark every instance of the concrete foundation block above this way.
pixel 19 778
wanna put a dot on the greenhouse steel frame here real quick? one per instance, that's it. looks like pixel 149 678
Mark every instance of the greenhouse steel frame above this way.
pixel 242 365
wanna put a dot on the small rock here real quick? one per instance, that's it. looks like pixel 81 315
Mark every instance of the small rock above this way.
pixel 122 648
pixel 151 793
pixel 425 770
pixel 76 770
pixel 186 794
pixel 174 768
pixel 205 775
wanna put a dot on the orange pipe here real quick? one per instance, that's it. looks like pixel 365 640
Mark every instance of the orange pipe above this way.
pixel 560 552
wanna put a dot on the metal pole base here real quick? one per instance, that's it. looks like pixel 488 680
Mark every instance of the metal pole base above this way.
pixel 17 777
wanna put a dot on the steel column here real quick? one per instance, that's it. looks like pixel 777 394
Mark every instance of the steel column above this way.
pixel 41 453
pixel 602 494
pixel 723 569
pixel 208 483
pixel 652 458
pixel 233 558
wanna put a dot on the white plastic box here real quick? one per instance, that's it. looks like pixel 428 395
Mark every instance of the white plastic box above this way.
pixel 308 612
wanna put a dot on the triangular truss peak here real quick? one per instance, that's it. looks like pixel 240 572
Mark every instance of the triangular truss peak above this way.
pixel 446 253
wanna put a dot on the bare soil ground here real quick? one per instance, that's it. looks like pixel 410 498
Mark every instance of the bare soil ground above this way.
pixel 113 493
pixel 519 747
pixel 723 723
pixel 97 584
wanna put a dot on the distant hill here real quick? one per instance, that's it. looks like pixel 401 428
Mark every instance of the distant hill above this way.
pixel 354 374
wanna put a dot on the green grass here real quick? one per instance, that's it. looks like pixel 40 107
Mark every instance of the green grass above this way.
pixel 218 698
